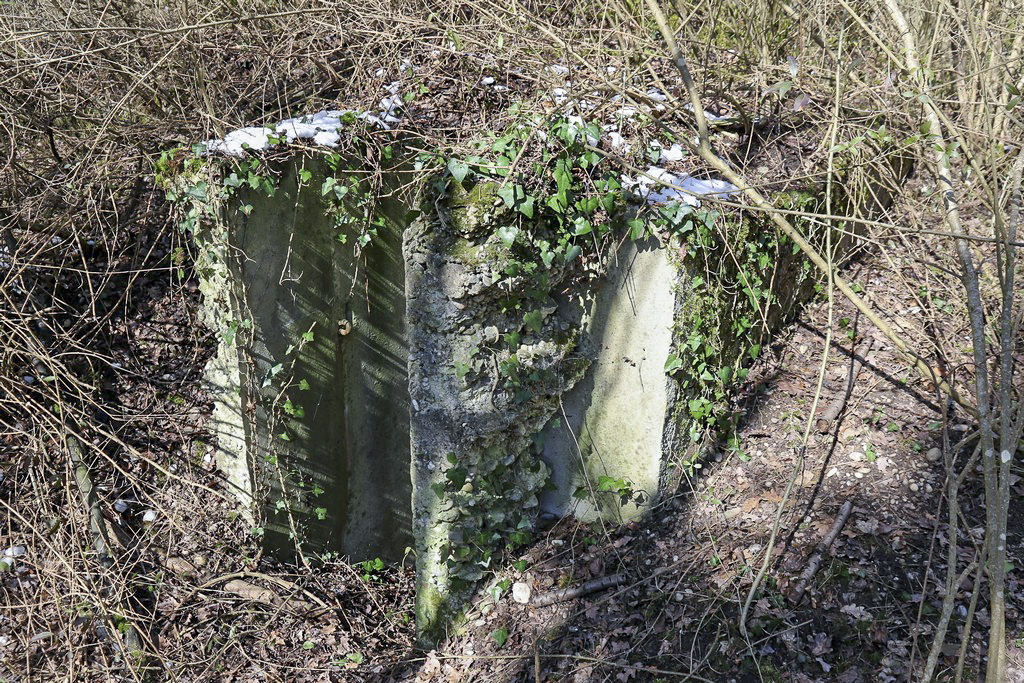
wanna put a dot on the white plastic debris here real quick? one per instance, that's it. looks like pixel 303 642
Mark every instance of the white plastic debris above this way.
pixel 687 189
pixel 618 142
pixel 487 80
pixel 321 128
pixel 521 592
pixel 14 552
pixel 149 516
pixel 707 115
pixel 673 153
pixel 238 141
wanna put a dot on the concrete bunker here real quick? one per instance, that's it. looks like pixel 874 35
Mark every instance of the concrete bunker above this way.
pixel 375 387
pixel 340 412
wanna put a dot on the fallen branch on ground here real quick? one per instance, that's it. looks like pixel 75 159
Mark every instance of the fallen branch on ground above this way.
pixel 98 531
pixel 815 562
pixel 832 411
pixel 585 588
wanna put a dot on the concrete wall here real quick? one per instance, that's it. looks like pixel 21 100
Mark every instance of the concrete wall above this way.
pixel 294 415
pixel 614 419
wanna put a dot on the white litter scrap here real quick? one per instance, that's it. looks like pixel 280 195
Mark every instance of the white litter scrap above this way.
pixel 673 153
pixel 322 128
pixel 618 142
pixel 707 115
pixel 686 188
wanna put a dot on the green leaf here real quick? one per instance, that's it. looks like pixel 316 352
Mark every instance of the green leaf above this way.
pixel 673 363
pixel 457 476
pixel 525 207
pixel 520 565
pixel 305 175
pixel 508 195
pixel 500 636
pixel 308 645
pixel 534 320
pixel 571 255
pixel 507 234
pixel 458 169
pixel 636 229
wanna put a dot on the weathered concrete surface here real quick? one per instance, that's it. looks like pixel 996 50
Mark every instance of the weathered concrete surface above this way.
pixel 476 476
pixel 614 420
pixel 312 423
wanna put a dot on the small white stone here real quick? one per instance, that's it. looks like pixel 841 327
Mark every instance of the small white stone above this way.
pixel 933 454
pixel 914 487
pixel 149 516
pixel 120 505
pixel 14 551
pixel 856 456
pixel 521 592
